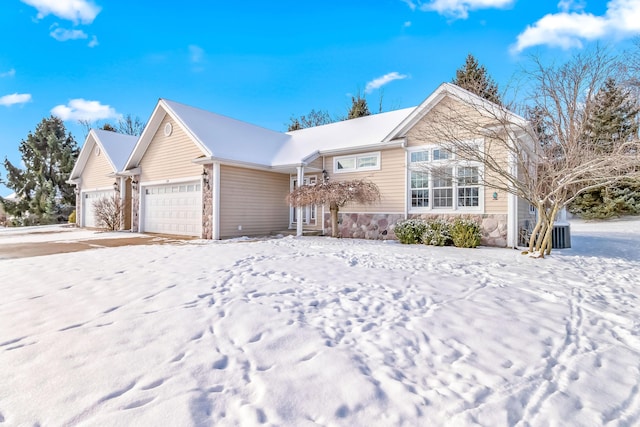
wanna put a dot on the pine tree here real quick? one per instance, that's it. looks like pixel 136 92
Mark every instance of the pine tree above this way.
pixel 613 117
pixel 474 77
pixel 43 194
pixel 359 107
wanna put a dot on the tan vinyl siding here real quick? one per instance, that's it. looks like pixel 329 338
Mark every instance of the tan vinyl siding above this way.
pixel 170 157
pixel 254 200
pixel 316 164
pixel 390 179
pixel 96 171
pixel 424 133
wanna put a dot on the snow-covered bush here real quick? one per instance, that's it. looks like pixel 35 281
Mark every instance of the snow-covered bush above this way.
pixel 410 231
pixel 438 233
pixel 465 233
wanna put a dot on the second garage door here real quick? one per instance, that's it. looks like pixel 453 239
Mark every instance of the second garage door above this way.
pixel 173 209
pixel 88 211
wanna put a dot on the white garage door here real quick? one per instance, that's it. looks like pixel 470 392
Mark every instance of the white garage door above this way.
pixel 173 209
pixel 88 212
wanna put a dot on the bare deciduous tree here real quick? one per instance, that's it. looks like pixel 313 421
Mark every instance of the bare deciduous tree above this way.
pixel 108 212
pixel 336 194
pixel 548 160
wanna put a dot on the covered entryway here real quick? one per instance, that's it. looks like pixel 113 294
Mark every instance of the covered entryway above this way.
pixel 88 211
pixel 172 209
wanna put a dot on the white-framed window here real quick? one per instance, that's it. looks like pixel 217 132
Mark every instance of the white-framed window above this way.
pixel 419 189
pixel 439 181
pixel 468 186
pixel 357 163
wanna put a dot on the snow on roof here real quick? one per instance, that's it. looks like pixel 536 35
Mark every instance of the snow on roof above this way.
pixel 117 146
pixel 228 138
pixel 353 133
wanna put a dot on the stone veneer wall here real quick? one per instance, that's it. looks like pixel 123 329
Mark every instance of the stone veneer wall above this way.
pixel 207 205
pixel 364 225
pixel 380 226
pixel 78 207
pixel 135 205
pixel 493 226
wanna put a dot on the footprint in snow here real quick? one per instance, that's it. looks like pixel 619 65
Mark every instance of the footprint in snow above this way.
pixel 156 383
pixel 138 403
pixel 221 363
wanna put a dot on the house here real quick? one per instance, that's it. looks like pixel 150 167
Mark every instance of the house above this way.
pixel 96 174
pixel 198 173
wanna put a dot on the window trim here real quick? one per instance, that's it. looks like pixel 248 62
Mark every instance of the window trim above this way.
pixel 355 158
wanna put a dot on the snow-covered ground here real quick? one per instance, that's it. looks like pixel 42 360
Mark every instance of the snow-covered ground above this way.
pixel 320 331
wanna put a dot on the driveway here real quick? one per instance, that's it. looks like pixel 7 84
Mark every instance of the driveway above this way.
pixel 49 240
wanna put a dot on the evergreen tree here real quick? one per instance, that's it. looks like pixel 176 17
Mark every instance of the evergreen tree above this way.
pixel 613 117
pixel 43 194
pixel 474 77
pixel 359 107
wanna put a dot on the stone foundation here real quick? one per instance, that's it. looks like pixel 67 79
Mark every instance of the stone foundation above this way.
pixel 364 225
pixel 380 226
pixel 493 226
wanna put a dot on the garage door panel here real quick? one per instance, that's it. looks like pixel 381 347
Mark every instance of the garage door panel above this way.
pixel 88 210
pixel 173 209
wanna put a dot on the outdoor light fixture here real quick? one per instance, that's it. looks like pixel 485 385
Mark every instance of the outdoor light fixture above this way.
pixel 495 195
pixel 116 187
pixel 325 175
pixel 76 190
pixel 205 176
pixel 134 185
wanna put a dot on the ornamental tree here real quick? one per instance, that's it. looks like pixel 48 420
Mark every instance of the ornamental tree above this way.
pixel 336 194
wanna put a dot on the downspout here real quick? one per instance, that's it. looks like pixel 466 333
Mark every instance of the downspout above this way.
pixel 215 200
pixel 406 178
pixel 299 222
pixel 512 206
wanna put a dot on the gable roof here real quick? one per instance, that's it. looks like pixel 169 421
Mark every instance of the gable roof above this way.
pixel 455 92
pixel 115 146
pixel 226 139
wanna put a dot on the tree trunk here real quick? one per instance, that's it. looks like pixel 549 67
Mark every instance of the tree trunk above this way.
pixel 541 240
pixel 334 219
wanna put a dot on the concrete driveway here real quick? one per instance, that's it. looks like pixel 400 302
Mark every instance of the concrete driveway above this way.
pixel 49 240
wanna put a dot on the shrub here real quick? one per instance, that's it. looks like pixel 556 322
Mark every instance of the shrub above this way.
pixel 438 233
pixel 465 233
pixel 72 217
pixel 410 231
pixel 108 212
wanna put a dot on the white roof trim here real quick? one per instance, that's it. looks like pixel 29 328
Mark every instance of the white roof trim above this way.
pixel 86 150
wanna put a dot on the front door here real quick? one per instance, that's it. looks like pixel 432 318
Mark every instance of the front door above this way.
pixel 309 211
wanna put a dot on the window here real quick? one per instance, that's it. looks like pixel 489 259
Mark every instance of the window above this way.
pixel 441 154
pixel 442 188
pixel 357 163
pixel 419 189
pixel 419 156
pixel 468 187
pixel 437 185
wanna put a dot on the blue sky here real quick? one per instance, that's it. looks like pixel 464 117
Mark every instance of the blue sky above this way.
pixel 263 62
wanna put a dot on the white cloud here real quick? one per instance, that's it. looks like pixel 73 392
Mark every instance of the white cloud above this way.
pixel 570 29
pixel 93 42
pixel 62 34
pixel 381 81
pixel 456 9
pixel 571 5
pixel 81 109
pixel 407 24
pixel 10 73
pixel 196 56
pixel 84 11
pixel 16 98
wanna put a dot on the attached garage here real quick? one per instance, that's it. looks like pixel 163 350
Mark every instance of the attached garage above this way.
pixel 172 209
pixel 88 211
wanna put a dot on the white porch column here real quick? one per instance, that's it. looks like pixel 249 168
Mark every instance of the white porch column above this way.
pixel 123 198
pixel 215 211
pixel 299 222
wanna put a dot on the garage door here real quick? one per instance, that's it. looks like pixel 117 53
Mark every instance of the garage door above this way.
pixel 173 209
pixel 88 211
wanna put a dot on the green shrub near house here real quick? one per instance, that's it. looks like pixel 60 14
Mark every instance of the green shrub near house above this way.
pixel 465 233
pixel 410 231
pixel 438 233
